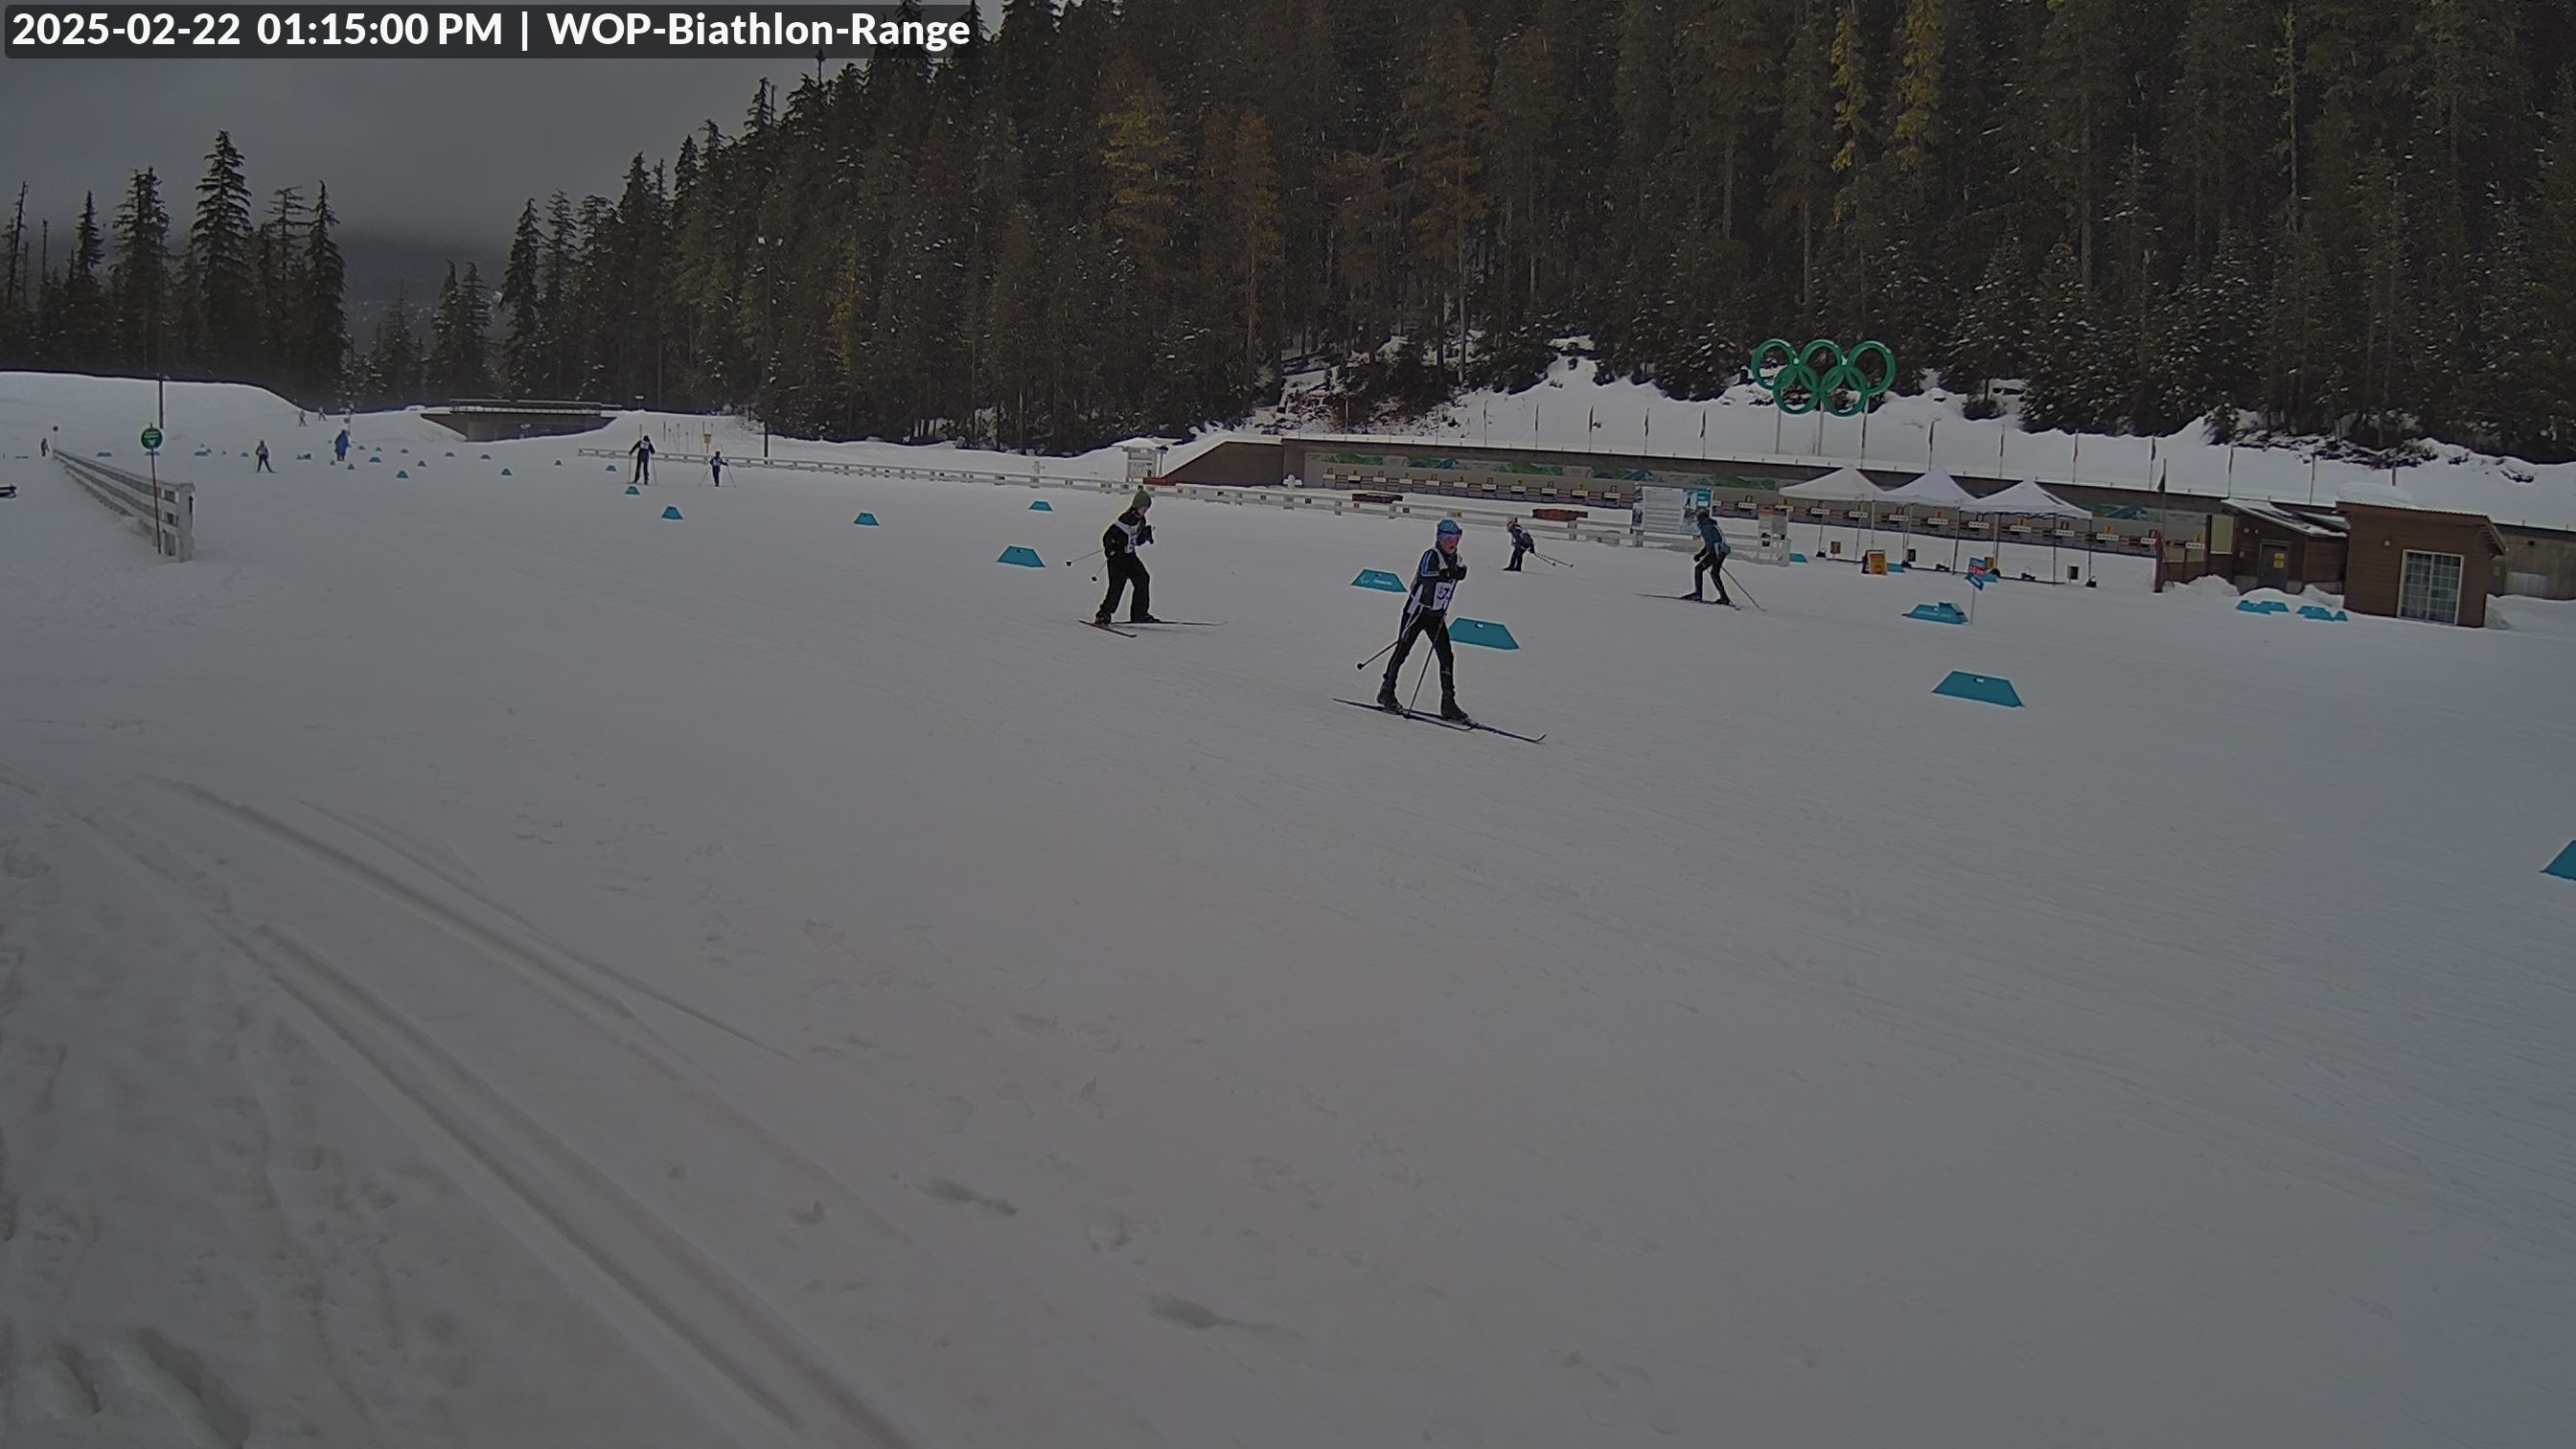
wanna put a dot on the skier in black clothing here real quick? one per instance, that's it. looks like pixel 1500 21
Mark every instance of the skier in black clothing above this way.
pixel 715 465
pixel 643 451
pixel 1426 613
pixel 263 458
pixel 1118 544
pixel 1521 545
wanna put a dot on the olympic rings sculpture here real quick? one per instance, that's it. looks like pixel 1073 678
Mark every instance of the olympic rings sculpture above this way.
pixel 1822 375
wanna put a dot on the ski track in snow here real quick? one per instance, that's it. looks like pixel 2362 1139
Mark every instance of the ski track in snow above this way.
pixel 482 964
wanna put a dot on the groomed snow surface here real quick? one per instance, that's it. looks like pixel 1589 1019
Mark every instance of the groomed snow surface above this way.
pixel 482 964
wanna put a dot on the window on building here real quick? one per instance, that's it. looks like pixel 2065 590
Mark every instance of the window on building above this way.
pixel 2430 587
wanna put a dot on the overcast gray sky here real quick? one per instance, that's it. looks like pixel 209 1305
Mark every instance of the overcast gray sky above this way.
pixel 431 152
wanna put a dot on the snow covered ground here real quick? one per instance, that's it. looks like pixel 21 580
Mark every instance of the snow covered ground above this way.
pixel 1576 408
pixel 482 964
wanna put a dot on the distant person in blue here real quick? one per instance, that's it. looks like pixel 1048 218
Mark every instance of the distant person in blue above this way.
pixel 715 465
pixel 1426 614
pixel 1521 546
pixel 1118 544
pixel 643 451
pixel 340 447
pixel 1711 559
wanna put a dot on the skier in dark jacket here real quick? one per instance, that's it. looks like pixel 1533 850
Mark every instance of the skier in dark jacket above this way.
pixel 643 451
pixel 1426 614
pixel 1118 545
pixel 1522 544
pixel 263 458
pixel 715 465
pixel 340 447
pixel 1711 558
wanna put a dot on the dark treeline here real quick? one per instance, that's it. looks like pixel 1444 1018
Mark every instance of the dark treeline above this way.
pixel 2356 215
pixel 2346 215
pixel 236 298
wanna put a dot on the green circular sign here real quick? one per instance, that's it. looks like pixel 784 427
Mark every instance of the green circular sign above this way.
pixel 152 440
pixel 1822 375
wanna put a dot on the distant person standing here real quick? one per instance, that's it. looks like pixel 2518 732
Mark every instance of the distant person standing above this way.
pixel 340 447
pixel 643 451
pixel 1521 546
pixel 263 458
pixel 44 447
pixel 715 465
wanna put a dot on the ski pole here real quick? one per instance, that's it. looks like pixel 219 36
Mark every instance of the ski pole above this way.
pixel 1420 679
pixel 1068 563
pixel 1739 588
pixel 1543 558
pixel 1381 654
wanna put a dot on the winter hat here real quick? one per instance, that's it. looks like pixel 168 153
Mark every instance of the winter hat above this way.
pixel 1449 528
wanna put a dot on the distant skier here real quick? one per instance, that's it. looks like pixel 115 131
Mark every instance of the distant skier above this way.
pixel 44 447
pixel 643 451
pixel 1521 545
pixel 1711 558
pixel 1118 545
pixel 340 447
pixel 715 465
pixel 1426 613
pixel 263 458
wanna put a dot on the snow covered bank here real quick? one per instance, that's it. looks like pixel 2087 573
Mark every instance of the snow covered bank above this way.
pixel 485 964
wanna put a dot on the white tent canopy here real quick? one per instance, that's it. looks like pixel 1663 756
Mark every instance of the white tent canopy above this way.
pixel 1935 489
pixel 1843 485
pixel 2026 499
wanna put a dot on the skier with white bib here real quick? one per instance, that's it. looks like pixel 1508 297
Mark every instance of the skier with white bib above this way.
pixel 1426 613
pixel 1118 546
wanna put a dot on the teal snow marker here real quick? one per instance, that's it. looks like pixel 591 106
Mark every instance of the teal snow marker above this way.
pixel 402 472
pixel 1378 579
pixel 2564 867
pixel 2331 616
pixel 505 472
pixel 1937 614
pixel 1041 506
pixel 1482 634
pixel 559 463
pixel 671 513
pixel 1026 558
pixel 865 520
pixel 634 492
pixel 1983 688
pixel 2264 606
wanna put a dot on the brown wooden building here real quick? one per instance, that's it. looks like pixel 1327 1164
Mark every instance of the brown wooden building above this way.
pixel 2279 546
pixel 2416 563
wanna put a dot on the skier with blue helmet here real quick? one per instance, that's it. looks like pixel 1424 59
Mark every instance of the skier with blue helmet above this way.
pixel 1710 562
pixel 1426 614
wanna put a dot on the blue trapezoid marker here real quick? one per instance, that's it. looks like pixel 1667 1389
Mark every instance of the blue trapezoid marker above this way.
pixel 672 513
pixel 1026 558
pixel 1041 506
pixel 1482 633
pixel 1378 579
pixel 1983 688
pixel 2564 867
pixel 865 520
pixel 1937 614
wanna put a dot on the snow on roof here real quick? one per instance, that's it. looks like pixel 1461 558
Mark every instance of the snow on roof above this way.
pixel 2026 499
pixel 1936 489
pixel 2282 518
pixel 1843 485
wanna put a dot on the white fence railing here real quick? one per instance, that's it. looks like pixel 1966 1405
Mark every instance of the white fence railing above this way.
pixel 1614 527
pixel 166 513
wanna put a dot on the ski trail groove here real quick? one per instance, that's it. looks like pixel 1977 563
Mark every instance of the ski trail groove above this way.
pixel 531 949
pixel 552 1194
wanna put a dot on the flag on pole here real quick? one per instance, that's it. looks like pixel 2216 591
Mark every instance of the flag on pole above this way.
pixel 1980 573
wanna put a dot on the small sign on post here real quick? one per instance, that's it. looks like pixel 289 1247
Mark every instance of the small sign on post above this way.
pixel 151 441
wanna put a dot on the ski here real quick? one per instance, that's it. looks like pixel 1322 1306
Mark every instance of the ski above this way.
pixel 1107 628
pixel 1465 727
pixel 1176 623
pixel 1687 599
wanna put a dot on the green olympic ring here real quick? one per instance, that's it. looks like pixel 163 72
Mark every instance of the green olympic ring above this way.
pixel 1822 375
